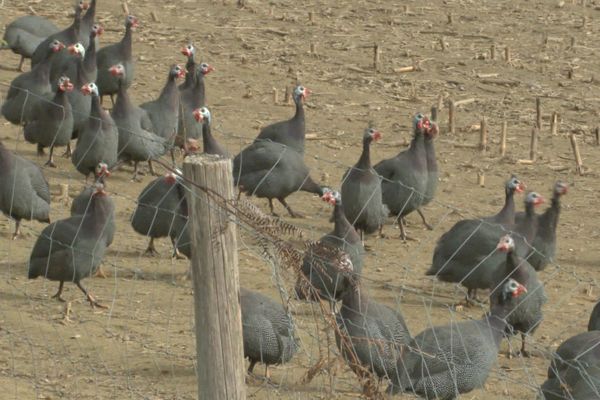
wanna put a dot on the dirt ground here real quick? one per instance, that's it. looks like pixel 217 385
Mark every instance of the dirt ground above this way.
pixel 143 346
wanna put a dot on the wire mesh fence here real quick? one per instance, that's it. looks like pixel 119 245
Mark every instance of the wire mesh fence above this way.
pixel 142 345
pixel 54 347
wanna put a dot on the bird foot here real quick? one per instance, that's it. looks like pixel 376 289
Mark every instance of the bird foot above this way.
pixel 94 303
pixel 67 153
pixel 15 236
pixel 518 353
pixel 406 238
pixel 50 164
pixel 178 256
pixel 253 379
pixel 58 296
pixel 429 227
pixel 295 214
pixel 100 274
pixel 151 252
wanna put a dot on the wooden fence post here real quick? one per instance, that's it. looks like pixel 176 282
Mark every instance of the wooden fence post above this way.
pixel 219 344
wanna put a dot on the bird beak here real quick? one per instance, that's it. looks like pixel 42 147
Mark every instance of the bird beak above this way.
pixel 85 89
pixel 182 72
pixel 99 31
pixel 114 71
pixel 520 188
pixel 539 200
pixel 186 52
pixel 72 49
pixel 208 70
pixel 377 135
pixel 198 116
pixel 519 291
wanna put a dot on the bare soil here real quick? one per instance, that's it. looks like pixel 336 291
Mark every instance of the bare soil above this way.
pixel 143 346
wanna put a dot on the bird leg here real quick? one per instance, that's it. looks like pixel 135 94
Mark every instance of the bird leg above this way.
pixel 293 214
pixel 173 163
pixel 59 293
pixel 40 150
pixel 20 67
pixel 429 227
pixel 251 367
pixel 112 100
pixel 523 352
pixel 17 229
pixel 176 253
pixel 151 168
pixel 273 213
pixel 50 161
pixel 151 250
pixel 403 235
pixel 67 153
pixel 90 298
pixel 136 173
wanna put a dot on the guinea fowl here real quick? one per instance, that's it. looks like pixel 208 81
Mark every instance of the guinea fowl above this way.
pixel 371 333
pixel 432 172
pixel 98 140
pixel 24 192
pixel 272 170
pixel 80 103
pixel 82 202
pixel 158 209
pixel 544 243
pixel 467 252
pixel 88 70
pixel 24 35
pixel 445 361
pixel 594 324
pixel 291 132
pixel 113 54
pixel 67 36
pixel 192 95
pixel 210 144
pixel 574 372
pixel 268 331
pixel 404 177
pixel 72 249
pixel 137 142
pixel 361 191
pixel 87 25
pixel 29 88
pixel 321 267
pixel 53 123
pixel 164 111
pixel 525 312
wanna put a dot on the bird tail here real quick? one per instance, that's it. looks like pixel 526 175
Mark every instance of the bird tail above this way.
pixel 4 45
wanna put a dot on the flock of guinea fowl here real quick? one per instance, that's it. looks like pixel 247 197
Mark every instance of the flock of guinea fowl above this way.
pixel 60 99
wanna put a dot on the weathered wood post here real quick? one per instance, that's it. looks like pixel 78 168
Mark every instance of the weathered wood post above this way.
pixel 215 276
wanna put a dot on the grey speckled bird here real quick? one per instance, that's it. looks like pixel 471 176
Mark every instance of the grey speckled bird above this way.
pixel 117 53
pixel 159 210
pixel 445 361
pixel 268 331
pixel 543 249
pixel 361 191
pixel 72 249
pixel 405 176
pixel 574 372
pixel 372 333
pixel 52 125
pixel 525 310
pixel 24 192
pixel 321 269
pixel 24 34
pixel 98 139
pixel 594 324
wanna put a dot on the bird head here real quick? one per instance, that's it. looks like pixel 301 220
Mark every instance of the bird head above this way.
pixel 206 69
pixel 515 185
pixel 513 288
pixel 64 84
pixel 177 71
pixel 534 198
pixel 101 170
pixel 97 30
pixel 117 70
pixel 202 114
pixel 56 46
pixel 561 188
pixel 77 50
pixel 188 50
pixel 372 134
pixel 132 22
pixel 506 244
pixel 89 88
pixel 301 93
